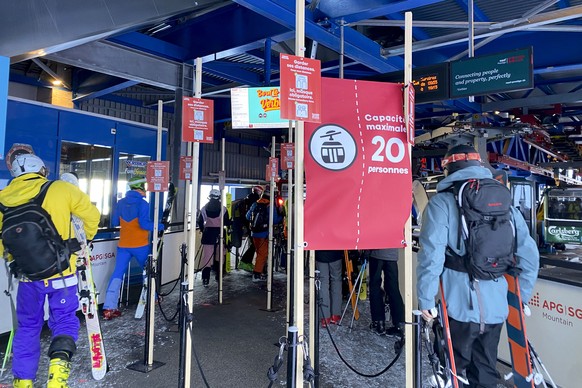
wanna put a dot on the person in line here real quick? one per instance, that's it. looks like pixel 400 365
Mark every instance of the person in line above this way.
pixel 260 235
pixel 208 222
pixel 133 215
pixel 385 261
pixel 476 309
pixel 246 260
pixel 62 201
pixel 329 265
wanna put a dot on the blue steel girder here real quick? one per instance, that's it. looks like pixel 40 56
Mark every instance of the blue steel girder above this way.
pixel 356 46
pixel 105 91
pixel 479 16
pixel 417 32
pixel 356 10
pixel 151 45
pixel 230 71
pixel 267 64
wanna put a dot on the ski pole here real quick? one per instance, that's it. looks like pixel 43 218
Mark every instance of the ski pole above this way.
pixel 8 352
pixel 359 279
pixel 537 357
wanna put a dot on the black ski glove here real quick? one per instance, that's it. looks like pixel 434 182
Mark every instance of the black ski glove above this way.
pixel 13 269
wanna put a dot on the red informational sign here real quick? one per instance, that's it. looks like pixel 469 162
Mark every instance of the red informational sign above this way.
pixel 272 169
pixel 410 121
pixel 197 120
pixel 185 168
pixel 300 88
pixel 357 168
pixel 158 176
pixel 287 156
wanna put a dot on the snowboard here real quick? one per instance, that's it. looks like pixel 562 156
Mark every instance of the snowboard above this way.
pixel 517 336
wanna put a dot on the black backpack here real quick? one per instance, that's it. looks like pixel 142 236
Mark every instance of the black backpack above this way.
pixel 486 226
pixel 260 218
pixel 31 238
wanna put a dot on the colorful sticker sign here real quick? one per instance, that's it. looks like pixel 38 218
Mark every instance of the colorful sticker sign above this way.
pixel 300 88
pixel 197 120
pixel 257 108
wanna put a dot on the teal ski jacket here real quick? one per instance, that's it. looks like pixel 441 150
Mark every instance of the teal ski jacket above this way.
pixel 440 228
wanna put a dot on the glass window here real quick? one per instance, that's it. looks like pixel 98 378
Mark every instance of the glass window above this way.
pixel 92 165
pixel 130 166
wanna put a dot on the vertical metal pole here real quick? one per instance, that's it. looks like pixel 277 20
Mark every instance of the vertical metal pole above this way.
pixel 149 334
pixel 192 235
pixel 299 167
pixel 316 331
pixel 154 257
pixel 471 40
pixel 418 349
pixel 183 335
pixel 407 251
pixel 270 247
pixel 313 322
pixel 293 370
pixel 290 224
pixel 221 248
pixel 341 57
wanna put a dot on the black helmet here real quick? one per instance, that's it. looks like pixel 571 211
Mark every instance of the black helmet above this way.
pixel 459 157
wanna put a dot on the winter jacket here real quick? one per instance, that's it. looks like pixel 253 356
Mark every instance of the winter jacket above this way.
pixel 277 218
pixel 440 228
pixel 132 213
pixel 208 221
pixel 61 201
pixel 384 254
pixel 328 256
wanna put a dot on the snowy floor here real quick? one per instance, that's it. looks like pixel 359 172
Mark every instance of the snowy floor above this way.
pixel 365 351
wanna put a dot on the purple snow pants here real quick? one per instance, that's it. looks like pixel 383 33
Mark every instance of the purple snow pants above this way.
pixel 63 304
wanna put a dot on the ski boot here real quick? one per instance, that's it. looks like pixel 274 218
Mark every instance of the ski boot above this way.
pixel 109 314
pixel 58 376
pixel 22 383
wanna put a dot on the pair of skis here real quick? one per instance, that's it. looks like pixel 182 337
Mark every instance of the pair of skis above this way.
pixel 528 369
pixel 166 219
pixel 88 303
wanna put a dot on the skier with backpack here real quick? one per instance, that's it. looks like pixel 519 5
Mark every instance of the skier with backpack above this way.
pixel 38 243
pixel 258 216
pixel 471 236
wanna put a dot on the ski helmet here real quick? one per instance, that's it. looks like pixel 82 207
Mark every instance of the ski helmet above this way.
pixel 459 157
pixel 70 177
pixel 137 183
pixel 258 190
pixel 26 164
pixel 214 194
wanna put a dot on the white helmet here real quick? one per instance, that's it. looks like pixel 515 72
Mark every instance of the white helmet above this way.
pixel 26 164
pixel 71 178
pixel 214 194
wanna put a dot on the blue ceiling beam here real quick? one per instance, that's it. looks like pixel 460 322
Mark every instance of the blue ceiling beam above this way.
pixel 151 45
pixel 417 32
pixel 356 10
pixel 563 4
pixel 479 16
pixel 105 91
pixel 247 47
pixel 356 46
pixel 227 71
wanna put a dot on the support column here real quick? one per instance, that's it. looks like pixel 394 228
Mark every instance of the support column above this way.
pixel 4 73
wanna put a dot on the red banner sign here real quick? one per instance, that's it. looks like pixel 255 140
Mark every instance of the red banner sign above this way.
pixel 300 88
pixel 287 156
pixel 197 120
pixel 357 168
pixel 185 168
pixel 158 176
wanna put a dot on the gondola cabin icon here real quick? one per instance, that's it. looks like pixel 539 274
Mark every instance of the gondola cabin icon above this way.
pixel 332 151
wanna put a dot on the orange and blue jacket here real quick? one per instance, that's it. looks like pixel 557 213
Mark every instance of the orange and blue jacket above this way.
pixel 133 215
